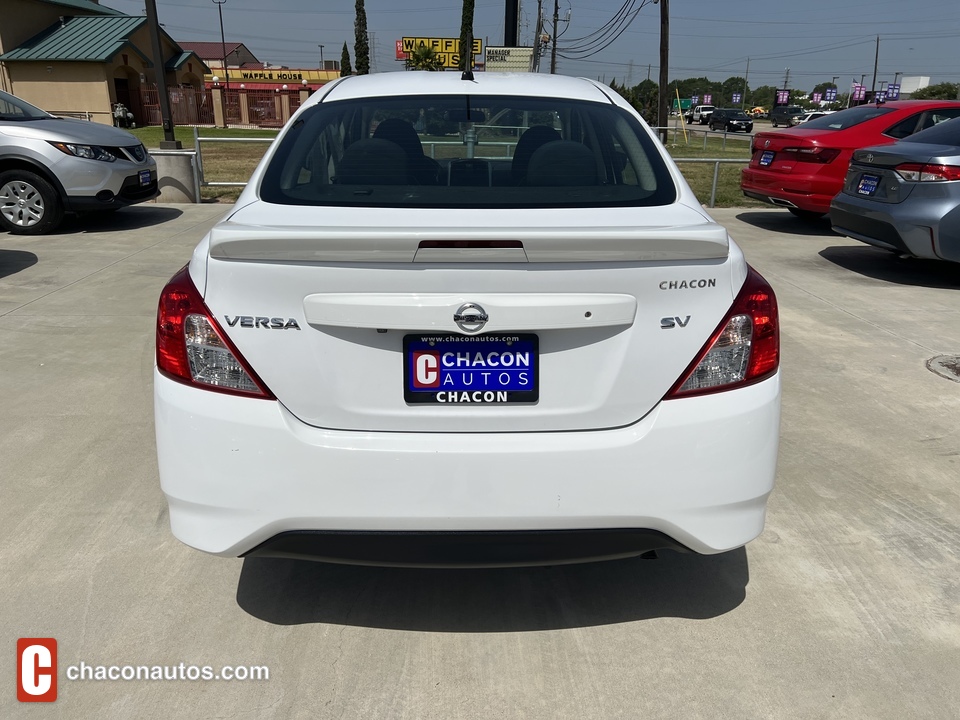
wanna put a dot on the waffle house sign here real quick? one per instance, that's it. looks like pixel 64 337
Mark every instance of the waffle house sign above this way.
pixel 447 49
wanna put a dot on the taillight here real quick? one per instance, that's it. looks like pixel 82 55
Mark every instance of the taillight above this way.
pixel 813 154
pixel 192 348
pixel 919 172
pixel 744 349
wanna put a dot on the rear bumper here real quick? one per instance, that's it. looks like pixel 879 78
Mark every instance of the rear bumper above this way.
pixel 238 473
pixel 805 192
pixel 463 549
pixel 872 223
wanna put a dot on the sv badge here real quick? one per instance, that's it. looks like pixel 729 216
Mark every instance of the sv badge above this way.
pixel 669 323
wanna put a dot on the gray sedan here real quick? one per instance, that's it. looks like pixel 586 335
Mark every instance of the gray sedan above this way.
pixel 905 197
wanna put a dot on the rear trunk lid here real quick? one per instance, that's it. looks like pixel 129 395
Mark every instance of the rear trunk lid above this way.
pixel 337 319
pixel 872 173
pixel 781 151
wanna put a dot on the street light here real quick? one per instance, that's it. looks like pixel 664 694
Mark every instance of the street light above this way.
pixel 321 56
pixel 223 45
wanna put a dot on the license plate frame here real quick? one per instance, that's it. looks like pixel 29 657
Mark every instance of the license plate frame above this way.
pixel 442 377
pixel 144 176
pixel 766 158
pixel 868 184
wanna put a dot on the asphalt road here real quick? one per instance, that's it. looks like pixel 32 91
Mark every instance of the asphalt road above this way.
pixel 848 606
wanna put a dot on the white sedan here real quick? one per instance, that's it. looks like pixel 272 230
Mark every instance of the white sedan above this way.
pixel 813 116
pixel 467 321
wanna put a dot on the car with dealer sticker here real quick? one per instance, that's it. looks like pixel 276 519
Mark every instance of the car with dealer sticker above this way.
pixel 529 347
pixel 803 168
pixel 905 197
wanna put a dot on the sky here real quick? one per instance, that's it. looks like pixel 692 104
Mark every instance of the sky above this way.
pixel 815 39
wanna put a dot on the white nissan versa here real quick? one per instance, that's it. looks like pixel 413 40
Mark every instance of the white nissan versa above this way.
pixel 466 321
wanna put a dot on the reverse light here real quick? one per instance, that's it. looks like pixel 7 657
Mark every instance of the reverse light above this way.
pixel 744 349
pixel 919 172
pixel 89 152
pixel 193 349
pixel 813 154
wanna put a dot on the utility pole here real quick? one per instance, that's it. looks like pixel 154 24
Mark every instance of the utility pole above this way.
pixel 511 22
pixel 876 60
pixel 223 45
pixel 746 77
pixel 538 38
pixel 169 142
pixel 556 23
pixel 321 56
pixel 786 80
pixel 664 109
pixel 649 66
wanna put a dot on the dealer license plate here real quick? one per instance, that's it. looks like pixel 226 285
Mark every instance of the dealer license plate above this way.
pixel 767 157
pixel 471 369
pixel 868 184
pixel 144 178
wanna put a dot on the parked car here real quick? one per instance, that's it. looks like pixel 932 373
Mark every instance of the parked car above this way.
pixel 905 197
pixel 788 115
pixel 802 168
pixel 555 355
pixel 813 115
pixel 733 119
pixel 700 115
pixel 758 112
pixel 51 165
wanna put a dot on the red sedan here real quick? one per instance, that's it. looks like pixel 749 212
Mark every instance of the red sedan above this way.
pixel 802 168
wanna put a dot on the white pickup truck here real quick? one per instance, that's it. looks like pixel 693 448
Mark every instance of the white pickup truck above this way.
pixel 700 114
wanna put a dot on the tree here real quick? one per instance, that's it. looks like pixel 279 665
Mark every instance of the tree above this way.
pixel 940 91
pixel 424 58
pixel 361 46
pixel 764 96
pixel 728 88
pixel 466 36
pixel 345 67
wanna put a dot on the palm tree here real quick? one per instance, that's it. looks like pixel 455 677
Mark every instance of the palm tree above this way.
pixel 466 36
pixel 424 58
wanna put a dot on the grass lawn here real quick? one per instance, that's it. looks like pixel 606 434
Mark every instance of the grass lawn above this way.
pixel 234 162
pixel 700 175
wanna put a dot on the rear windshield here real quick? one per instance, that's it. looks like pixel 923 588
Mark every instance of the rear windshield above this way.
pixel 944 133
pixel 467 151
pixel 846 118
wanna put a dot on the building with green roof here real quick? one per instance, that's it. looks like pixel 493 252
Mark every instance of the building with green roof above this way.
pixel 79 57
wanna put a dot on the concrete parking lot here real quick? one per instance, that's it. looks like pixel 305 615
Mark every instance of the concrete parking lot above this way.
pixel 848 606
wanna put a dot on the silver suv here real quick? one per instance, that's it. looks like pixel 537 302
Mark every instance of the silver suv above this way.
pixel 51 165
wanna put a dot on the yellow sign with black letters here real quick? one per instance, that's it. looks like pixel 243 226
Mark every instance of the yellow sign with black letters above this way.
pixel 447 49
